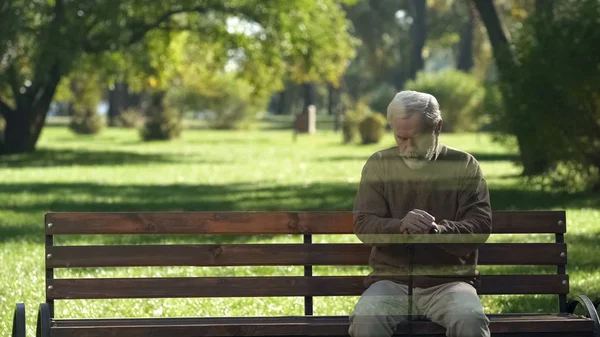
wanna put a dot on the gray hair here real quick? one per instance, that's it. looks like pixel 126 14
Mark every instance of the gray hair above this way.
pixel 411 102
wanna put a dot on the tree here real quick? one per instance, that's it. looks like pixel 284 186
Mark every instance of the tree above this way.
pixel 465 47
pixel 418 33
pixel 549 75
pixel 532 154
pixel 305 38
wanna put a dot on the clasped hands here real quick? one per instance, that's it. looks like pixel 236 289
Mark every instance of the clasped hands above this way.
pixel 418 222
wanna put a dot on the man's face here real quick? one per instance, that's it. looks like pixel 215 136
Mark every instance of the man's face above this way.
pixel 414 141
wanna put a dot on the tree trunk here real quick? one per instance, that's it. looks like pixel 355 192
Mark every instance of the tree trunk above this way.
pixel 305 122
pixel 113 105
pixel 418 32
pixel 310 97
pixel 340 111
pixel 23 128
pixel 532 154
pixel 465 47
pixel 24 124
pixel 330 99
pixel 120 99
pixel 283 102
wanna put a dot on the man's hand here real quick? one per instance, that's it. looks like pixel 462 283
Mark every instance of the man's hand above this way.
pixel 418 222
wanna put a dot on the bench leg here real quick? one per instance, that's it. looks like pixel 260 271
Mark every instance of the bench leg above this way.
pixel 18 329
pixel 43 321
pixel 591 312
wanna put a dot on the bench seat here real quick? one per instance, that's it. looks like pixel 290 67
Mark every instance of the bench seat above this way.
pixel 561 324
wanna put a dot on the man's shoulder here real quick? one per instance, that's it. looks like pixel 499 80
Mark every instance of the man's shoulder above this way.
pixel 456 155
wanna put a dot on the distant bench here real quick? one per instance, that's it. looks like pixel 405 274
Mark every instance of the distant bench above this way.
pixel 559 323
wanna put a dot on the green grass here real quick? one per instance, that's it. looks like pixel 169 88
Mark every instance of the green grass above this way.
pixel 219 170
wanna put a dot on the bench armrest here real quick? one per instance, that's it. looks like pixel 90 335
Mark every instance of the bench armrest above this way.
pixel 43 321
pixel 591 312
pixel 18 329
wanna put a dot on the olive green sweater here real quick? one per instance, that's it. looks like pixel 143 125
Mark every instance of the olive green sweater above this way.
pixel 451 188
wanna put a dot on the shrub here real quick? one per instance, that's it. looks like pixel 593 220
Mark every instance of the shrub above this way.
pixel 231 112
pixel 459 95
pixel 130 118
pixel 229 102
pixel 351 121
pixel 490 109
pixel 162 122
pixel 372 128
pixel 86 122
pixel 380 97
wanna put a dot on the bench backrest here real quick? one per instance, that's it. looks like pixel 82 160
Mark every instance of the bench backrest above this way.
pixel 307 254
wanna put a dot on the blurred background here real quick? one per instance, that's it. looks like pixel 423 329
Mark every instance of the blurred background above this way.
pixel 241 105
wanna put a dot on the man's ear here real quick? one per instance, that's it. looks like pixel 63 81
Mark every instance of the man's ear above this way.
pixel 438 128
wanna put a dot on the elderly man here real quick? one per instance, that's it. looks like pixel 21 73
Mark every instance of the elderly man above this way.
pixel 407 192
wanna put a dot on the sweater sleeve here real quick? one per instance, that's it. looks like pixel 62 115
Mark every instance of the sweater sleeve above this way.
pixel 473 223
pixel 373 223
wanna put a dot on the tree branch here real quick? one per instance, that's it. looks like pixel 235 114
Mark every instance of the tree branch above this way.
pixel 498 39
pixel 52 55
pixel 139 30
pixel 44 96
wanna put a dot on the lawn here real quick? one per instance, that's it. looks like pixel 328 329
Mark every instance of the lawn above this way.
pixel 220 170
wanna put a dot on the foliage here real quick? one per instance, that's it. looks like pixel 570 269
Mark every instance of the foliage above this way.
pixel 372 128
pixel 141 43
pixel 86 122
pixel 228 95
pixel 162 122
pixel 459 95
pixel 352 120
pixel 235 107
pixel 84 95
pixel 555 91
pixel 130 118
pixel 380 97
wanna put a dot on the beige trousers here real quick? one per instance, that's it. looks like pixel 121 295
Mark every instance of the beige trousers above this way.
pixel 383 306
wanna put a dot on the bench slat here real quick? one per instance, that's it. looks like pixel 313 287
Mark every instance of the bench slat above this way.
pixel 275 254
pixel 294 326
pixel 272 286
pixel 246 223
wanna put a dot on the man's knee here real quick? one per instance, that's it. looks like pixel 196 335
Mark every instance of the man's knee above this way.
pixel 459 309
pixel 362 325
pixel 378 311
pixel 467 321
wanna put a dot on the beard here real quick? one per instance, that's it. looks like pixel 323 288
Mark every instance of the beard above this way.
pixel 417 161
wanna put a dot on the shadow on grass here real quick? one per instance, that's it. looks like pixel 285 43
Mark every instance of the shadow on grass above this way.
pixel 91 197
pixel 86 197
pixel 517 199
pixel 55 158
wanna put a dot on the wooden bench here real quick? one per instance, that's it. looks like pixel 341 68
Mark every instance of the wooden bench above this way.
pixel 561 322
